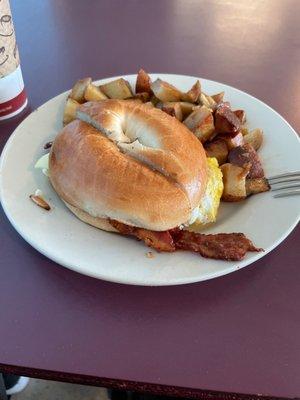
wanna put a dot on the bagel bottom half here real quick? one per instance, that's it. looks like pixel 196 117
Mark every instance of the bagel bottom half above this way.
pixel 100 223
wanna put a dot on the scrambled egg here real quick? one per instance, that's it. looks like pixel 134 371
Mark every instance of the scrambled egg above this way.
pixel 207 210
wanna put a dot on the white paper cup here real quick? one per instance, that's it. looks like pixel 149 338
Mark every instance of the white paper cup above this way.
pixel 13 98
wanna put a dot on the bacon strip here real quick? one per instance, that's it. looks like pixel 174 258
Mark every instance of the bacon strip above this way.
pixel 161 241
pixel 222 246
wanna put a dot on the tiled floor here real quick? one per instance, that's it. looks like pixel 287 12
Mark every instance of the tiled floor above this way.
pixel 38 389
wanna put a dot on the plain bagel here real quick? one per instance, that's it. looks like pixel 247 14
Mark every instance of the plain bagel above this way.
pixel 129 162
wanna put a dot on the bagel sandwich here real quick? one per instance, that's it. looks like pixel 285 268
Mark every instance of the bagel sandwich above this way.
pixel 130 168
pixel 136 164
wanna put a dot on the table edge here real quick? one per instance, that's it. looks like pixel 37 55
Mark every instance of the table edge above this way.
pixel 126 385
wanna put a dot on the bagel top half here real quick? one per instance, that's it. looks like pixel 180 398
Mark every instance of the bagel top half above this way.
pixel 129 162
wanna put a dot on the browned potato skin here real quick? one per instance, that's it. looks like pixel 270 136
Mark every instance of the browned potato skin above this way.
pixel 77 92
pixel 245 156
pixel 218 97
pixel 70 110
pixel 143 83
pixel 164 91
pixel 241 114
pixel 154 100
pixel 233 141
pixel 117 89
pixel 201 123
pixel 193 94
pixel 171 108
pixel 93 93
pixel 257 185
pixel 186 108
pixel 143 96
pixel 226 121
pixel 206 130
pixel 234 180
pixel 255 138
pixel 218 149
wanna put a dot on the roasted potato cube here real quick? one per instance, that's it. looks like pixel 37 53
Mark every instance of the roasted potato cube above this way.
pixel 233 141
pixel 77 92
pixel 207 101
pixel 205 131
pixel 218 98
pixel 255 138
pixel 165 91
pixel 196 117
pixel 143 83
pixel 226 121
pixel 224 104
pixel 201 123
pixel 93 93
pixel 143 96
pixel 171 108
pixel 193 94
pixel 218 149
pixel 117 89
pixel 258 185
pixel 186 108
pixel 234 180
pixel 241 114
pixel 154 100
pixel 244 130
pixel 70 110
pixel 246 157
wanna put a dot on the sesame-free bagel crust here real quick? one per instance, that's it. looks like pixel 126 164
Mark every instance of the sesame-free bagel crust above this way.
pixel 128 162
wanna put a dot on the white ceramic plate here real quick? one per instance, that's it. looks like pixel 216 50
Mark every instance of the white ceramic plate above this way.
pixel 59 235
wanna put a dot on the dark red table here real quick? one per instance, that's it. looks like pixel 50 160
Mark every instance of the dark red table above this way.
pixel 236 334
